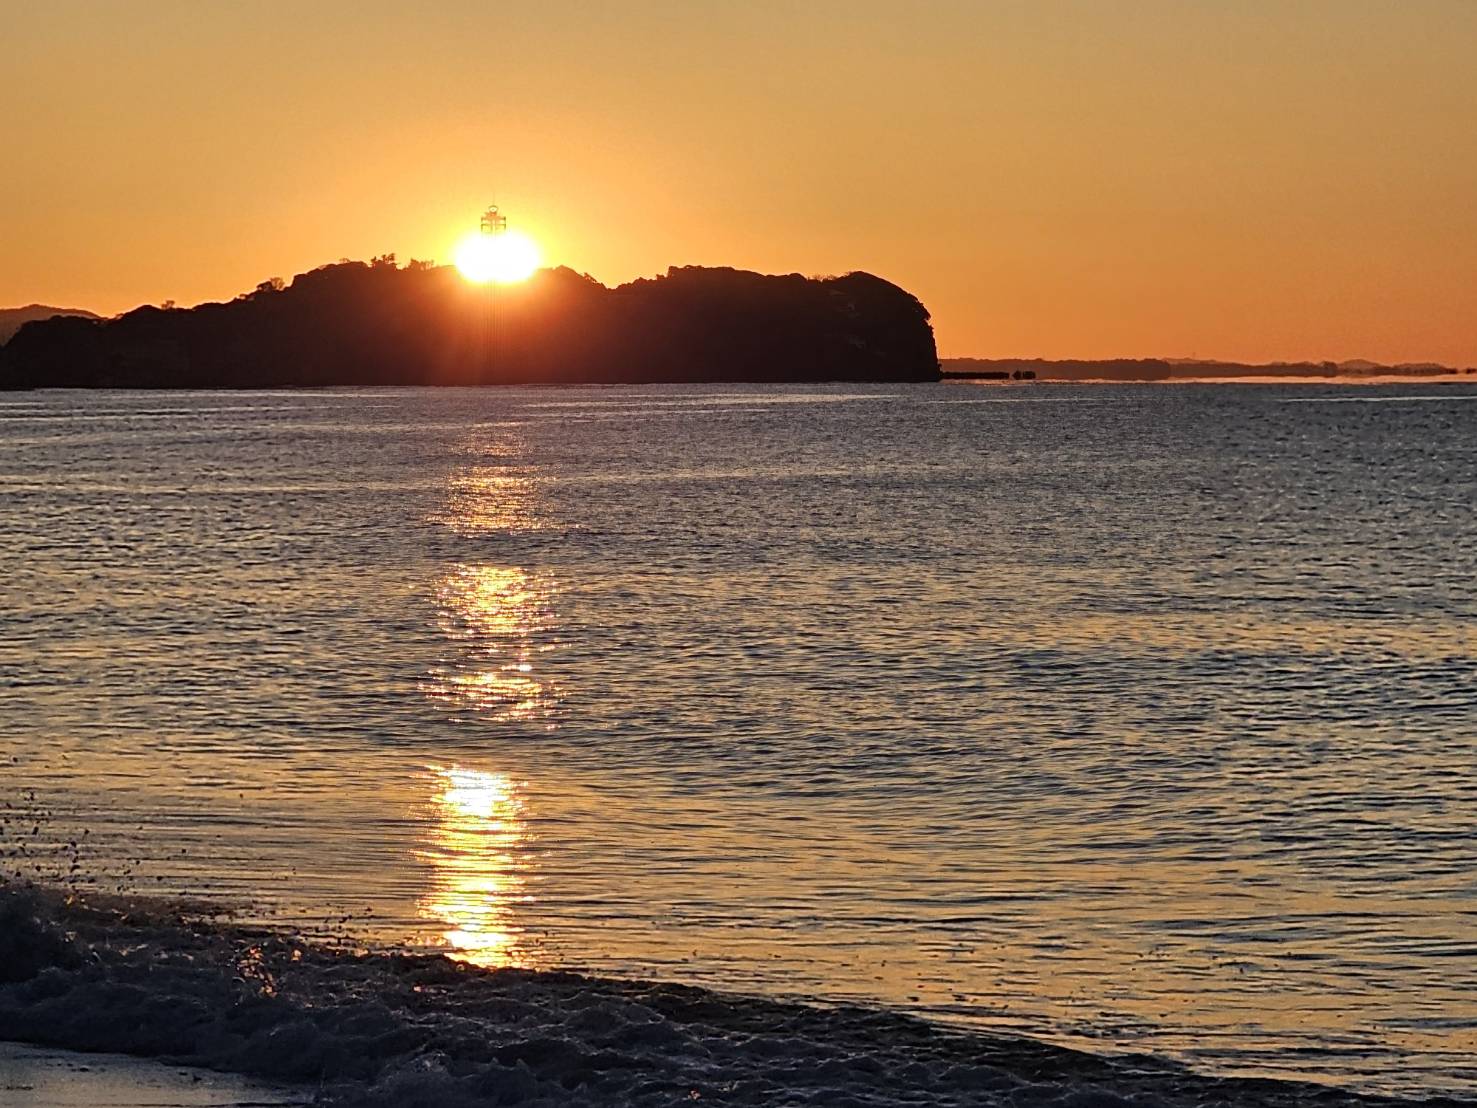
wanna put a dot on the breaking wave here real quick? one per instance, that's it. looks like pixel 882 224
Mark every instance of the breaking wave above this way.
pixel 163 980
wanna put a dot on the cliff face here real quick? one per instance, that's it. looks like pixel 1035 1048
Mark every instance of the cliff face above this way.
pixel 380 324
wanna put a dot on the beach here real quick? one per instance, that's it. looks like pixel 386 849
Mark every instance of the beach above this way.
pixel 38 1077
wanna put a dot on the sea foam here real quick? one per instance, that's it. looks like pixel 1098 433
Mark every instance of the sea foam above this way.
pixel 150 978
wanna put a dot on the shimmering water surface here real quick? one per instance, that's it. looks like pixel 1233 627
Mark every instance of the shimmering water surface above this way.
pixel 1132 717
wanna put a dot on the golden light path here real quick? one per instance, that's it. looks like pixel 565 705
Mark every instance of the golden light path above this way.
pixel 495 613
pixel 492 617
pixel 475 875
pixel 506 258
pixel 496 617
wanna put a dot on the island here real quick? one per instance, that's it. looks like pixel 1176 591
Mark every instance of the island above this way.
pixel 382 323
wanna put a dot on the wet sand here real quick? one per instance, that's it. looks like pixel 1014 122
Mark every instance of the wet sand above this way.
pixel 38 1077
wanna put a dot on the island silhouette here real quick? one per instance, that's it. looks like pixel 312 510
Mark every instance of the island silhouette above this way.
pixel 382 323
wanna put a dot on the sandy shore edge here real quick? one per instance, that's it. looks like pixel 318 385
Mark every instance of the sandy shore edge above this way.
pixel 41 1077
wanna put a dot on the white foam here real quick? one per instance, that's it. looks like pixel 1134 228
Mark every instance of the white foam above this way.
pixel 393 1029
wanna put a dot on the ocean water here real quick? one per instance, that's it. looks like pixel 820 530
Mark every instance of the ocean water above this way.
pixel 1132 718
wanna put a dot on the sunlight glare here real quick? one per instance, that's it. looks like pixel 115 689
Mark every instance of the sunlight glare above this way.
pixel 505 258
pixel 476 858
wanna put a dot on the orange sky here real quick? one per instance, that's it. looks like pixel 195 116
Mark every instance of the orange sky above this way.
pixel 1249 180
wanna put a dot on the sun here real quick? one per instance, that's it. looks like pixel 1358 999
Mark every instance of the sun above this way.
pixel 506 258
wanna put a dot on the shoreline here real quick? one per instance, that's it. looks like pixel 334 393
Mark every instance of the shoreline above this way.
pixel 58 1078
pixel 138 977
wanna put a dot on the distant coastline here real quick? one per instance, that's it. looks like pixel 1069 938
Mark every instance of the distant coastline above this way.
pixel 13 319
pixel 381 323
pixel 1184 369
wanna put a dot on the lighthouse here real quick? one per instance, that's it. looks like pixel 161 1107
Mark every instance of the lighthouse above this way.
pixel 493 221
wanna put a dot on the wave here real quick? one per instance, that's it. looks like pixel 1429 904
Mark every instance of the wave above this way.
pixel 166 980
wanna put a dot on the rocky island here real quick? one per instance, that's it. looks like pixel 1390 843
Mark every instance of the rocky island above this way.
pixel 381 323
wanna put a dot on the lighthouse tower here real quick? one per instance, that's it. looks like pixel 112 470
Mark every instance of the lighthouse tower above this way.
pixel 493 221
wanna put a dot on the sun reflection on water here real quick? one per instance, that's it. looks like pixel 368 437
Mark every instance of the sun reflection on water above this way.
pixel 499 615
pixel 497 620
pixel 476 865
pixel 496 497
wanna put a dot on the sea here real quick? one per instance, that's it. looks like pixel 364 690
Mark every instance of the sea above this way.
pixel 1137 719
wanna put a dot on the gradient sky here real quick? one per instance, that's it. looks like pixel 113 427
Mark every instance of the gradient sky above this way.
pixel 1249 180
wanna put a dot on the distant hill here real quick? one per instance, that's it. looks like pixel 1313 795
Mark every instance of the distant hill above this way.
pixel 379 323
pixel 1178 369
pixel 12 319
